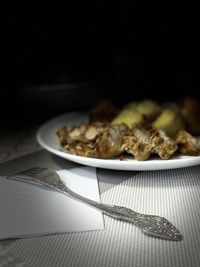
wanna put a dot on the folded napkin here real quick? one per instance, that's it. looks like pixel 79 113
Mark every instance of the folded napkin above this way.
pixel 27 209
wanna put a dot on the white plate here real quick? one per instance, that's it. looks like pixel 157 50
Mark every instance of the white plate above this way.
pixel 48 140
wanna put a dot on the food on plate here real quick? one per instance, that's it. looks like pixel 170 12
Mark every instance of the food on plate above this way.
pixel 141 143
pixel 170 121
pixel 139 129
pixel 149 109
pixel 130 117
pixel 98 140
pixel 187 144
pixel 190 110
pixel 135 113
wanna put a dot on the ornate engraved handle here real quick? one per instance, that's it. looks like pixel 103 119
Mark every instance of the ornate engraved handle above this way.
pixel 149 224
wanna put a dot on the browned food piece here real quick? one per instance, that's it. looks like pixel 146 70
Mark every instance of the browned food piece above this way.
pixel 80 140
pixel 85 132
pixel 87 149
pixel 187 144
pixel 190 110
pixel 162 145
pixel 141 143
pixel 62 134
pixel 96 140
pixel 103 111
pixel 109 142
pixel 137 143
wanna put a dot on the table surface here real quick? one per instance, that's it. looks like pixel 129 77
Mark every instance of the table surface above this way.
pixel 17 142
pixel 174 194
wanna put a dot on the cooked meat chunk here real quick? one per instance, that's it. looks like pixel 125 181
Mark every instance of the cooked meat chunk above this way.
pixel 93 140
pixel 84 132
pixel 105 140
pixel 137 143
pixel 141 143
pixel 162 145
pixel 87 149
pixel 187 144
pixel 109 142
pixel 80 140
pixel 62 134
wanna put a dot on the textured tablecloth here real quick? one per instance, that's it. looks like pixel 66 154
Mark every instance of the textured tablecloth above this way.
pixel 174 194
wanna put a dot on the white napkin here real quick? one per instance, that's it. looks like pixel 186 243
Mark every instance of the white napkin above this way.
pixel 27 210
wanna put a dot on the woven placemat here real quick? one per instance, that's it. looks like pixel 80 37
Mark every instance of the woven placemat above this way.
pixel 174 194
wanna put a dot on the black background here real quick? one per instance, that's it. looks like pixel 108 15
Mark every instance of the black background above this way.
pixel 121 57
